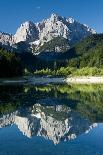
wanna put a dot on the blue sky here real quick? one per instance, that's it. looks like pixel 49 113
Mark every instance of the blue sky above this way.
pixel 14 12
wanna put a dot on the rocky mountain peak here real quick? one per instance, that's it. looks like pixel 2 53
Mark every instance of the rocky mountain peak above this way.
pixel 54 15
pixel 48 29
pixel 27 32
pixel 70 20
pixel 89 29
pixel 6 39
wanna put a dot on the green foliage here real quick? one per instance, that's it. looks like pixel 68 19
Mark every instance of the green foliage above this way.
pixel 88 71
pixel 27 72
pixel 67 71
pixel 7 108
pixel 84 99
pixel 10 64
pixel 87 56
pixel 88 53
pixel 88 99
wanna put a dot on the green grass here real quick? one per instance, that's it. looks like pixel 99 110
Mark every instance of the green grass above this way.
pixel 67 71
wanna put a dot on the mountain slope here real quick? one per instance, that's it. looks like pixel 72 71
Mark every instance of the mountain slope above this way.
pixel 89 52
pixel 6 40
pixel 10 64
pixel 57 44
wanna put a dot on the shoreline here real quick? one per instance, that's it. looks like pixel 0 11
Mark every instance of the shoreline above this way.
pixel 33 80
pixel 54 80
pixel 85 80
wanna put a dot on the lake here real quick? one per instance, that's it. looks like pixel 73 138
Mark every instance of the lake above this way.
pixel 51 119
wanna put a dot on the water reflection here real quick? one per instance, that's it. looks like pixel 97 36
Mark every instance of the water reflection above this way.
pixel 58 113
pixel 57 123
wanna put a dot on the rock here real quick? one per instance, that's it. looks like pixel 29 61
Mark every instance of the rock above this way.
pixel 6 39
pixel 27 32
pixel 39 33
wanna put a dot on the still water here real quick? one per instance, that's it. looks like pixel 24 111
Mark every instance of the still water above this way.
pixel 51 120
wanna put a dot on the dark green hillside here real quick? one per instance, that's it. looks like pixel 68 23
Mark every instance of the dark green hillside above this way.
pixel 10 64
pixel 86 56
pixel 88 53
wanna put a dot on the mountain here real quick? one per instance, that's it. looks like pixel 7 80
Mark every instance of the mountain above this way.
pixel 6 40
pixel 53 43
pixel 57 44
pixel 39 33
pixel 88 52
pixel 65 27
pixel 28 32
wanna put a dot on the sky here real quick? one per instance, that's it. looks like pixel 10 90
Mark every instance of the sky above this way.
pixel 15 12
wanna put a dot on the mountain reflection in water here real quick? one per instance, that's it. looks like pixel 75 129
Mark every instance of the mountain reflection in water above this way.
pixel 55 112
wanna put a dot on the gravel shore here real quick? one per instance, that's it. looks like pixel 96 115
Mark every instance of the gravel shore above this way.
pixel 85 80
pixel 55 80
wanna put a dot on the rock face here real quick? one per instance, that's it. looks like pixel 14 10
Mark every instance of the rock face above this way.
pixel 46 30
pixel 53 27
pixel 59 26
pixel 27 32
pixel 6 39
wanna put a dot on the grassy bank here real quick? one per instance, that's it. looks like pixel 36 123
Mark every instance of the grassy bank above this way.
pixel 68 71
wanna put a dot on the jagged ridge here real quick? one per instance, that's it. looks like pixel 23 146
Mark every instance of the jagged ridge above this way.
pixel 39 33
